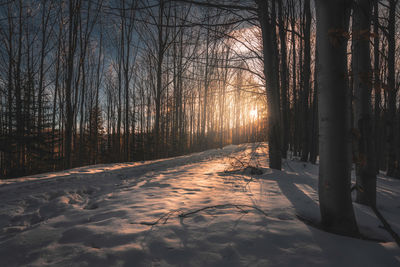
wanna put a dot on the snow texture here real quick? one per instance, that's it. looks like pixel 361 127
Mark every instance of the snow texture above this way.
pixel 194 210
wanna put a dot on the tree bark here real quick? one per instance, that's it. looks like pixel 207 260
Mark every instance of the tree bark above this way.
pixel 272 85
pixel 337 213
pixel 306 83
pixel 392 90
pixel 284 82
pixel 362 86
pixel 74 9
pixel 314 128
pixel 377 88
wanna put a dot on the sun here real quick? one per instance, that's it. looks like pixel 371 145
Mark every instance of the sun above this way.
pixel 253 114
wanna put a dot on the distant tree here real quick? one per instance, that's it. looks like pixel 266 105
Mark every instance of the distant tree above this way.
pixel 306 70
pixel 74 9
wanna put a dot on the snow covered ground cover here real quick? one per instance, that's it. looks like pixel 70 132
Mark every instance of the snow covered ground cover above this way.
pixel 195 210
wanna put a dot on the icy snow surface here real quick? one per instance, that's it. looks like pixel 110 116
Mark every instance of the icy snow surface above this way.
pixel 195 210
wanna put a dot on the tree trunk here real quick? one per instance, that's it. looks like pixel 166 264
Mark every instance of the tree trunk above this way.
pixel 391 116
pixel 72 39
pixel 306 83
pixel 362 86
pixel 314 136
pixel 377 88
pixel 284 82
pixel 160 59
pixel 337 213
pixel 272 84
pixel 294 143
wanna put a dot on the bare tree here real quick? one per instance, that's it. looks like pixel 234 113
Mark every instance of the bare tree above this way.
pixel 266 14
pixel 337 213
pixel 306 83
pixel 362 86
pixel 73 23
pixel 392 91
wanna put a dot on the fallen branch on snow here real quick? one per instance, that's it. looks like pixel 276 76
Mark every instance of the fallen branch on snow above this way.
pixel 164 218
pixel 248 163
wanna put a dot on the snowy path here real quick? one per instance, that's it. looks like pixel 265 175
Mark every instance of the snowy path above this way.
pixel 129 215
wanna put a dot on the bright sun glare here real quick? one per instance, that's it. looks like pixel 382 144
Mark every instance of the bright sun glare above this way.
pixel 253 114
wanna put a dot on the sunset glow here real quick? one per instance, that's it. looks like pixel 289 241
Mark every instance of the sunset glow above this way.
pixel 253 114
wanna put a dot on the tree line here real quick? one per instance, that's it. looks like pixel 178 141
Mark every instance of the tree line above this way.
pixel 86 82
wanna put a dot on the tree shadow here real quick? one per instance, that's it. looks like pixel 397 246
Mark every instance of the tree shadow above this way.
pixel 307 210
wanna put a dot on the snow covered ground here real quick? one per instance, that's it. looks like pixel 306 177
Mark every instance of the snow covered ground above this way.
pixel 195 210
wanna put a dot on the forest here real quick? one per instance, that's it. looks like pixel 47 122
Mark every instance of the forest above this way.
pixel 89 82
pixel 86 82
pixel 312 82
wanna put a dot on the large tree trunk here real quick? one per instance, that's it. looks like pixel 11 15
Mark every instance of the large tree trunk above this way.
pixel 272 85
pixel 337 213
pixel 362 86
